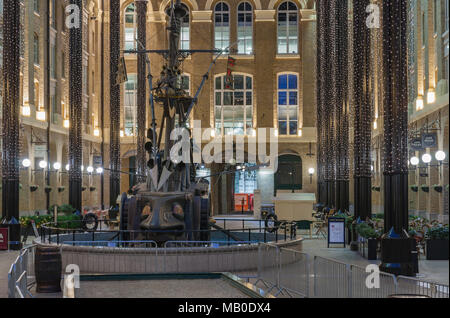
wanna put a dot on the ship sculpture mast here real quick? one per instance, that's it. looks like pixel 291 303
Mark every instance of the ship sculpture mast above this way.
pixel 174 199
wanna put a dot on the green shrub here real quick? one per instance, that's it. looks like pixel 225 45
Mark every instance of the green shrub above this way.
pixel 437 233
pixel 366 231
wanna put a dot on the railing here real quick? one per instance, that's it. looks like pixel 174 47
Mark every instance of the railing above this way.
pixel 411 285
pixel 285 272
pixel 60 233
pixel 21 274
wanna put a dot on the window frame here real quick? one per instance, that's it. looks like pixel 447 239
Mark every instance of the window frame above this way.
pixel 126 27
pixel 245 12
pixel 246 130
pixel 222 14
pixel 288 106
pixel 287 37
pixel 133 107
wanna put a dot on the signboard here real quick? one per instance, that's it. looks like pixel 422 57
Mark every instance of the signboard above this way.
pixel 416 144
pixel 336 231
pixel 3 239
pixel 429 140
pixel 97 160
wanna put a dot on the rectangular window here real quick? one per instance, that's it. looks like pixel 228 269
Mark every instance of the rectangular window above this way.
pixel 130 105
pixel 234 107
pixel 36 49
pixel 288 104
pixel 245 29
pixel 53 61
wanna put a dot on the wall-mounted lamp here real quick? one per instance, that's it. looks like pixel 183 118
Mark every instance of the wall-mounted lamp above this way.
pixel 57 166
pixel 96 132
pixel 311 172
pixel 66 123
pixel 26 163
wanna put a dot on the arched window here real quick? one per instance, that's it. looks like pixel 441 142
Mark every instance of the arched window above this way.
pixel 288 104
pixel 234 105
pixel 245 28
pixel 130 105
pixel 221 26
pixel 130 27
pixel 288 28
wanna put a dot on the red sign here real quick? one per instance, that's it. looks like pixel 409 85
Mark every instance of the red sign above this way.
pixel 3 239
pixel 241 202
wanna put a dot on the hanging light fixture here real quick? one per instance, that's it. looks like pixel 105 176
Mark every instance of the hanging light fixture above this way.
pixel 56 166
pixel 99 170
pixel 414 161
pixel 440 156
pixel 26 163
pixel 42 164
pixel 426 158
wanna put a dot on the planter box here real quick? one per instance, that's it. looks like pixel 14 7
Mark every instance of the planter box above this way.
pixel 368 248
pixel 437 250
pixel 399 257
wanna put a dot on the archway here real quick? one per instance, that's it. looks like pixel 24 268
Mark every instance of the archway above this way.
pixel 289 175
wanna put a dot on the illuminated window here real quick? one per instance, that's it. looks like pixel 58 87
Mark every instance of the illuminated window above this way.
pixel 234 105
pixel 130 27
pixel 130 105
pixel 287 28
pixel 245 28
pixel 288 104
pixel 221 26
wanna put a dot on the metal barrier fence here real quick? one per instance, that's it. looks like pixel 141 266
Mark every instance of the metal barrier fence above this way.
pixel 411 285
pixel 359 277
pixel 21 274
pixel 123 244
pixel 331 279
pixel 269 266
pixel 207 257
pixel 294 278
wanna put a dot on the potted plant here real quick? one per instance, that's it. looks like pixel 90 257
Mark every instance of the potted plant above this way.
pixel 66 209
pixel 414 188
pixel 33 188
pixel 437 243
pixel 376 188
pixel 48 189
pixel 83 189
pixel 425 188
pixel 92 189
pixel 370 237
pixel 61 189
pixel 438 188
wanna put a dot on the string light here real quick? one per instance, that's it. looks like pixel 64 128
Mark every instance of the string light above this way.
pixel 75 111
pixel 115 133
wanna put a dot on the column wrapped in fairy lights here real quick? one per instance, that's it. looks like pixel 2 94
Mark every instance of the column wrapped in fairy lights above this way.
pixel 362 97
pixel 114 147
pixel 395 107
pixel 141 161
pixel 10 127
pixel 75 111
pixel 342 108
pixel 321 102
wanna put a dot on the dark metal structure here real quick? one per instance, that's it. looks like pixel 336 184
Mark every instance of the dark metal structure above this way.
pixel 11 127
pixel 362 90
pixel 75 112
